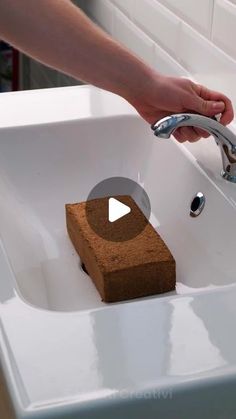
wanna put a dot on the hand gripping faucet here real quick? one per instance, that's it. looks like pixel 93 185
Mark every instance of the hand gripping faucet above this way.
pixel 224 138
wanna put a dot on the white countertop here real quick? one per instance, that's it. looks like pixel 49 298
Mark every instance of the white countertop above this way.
pixel 188 344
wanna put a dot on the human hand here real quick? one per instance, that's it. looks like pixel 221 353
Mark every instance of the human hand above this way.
pixel 162 96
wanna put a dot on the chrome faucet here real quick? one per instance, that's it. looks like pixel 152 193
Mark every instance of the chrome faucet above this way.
pixel 224 138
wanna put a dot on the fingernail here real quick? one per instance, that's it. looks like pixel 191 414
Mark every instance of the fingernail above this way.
pixel 218 106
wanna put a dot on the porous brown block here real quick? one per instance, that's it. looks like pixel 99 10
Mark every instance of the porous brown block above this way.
pixel 121 270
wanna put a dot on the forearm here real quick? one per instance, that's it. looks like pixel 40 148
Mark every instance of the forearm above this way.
pixel 59 34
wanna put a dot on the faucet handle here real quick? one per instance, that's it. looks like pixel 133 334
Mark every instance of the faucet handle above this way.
pixel 224 137
pixel 168 121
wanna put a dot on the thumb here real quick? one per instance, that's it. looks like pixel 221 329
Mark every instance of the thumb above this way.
pixel 208 107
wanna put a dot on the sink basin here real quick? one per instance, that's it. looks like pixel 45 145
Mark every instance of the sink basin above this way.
pixel 63 349
pixel 45 166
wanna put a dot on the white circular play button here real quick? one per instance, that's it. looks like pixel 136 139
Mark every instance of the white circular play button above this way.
pixel 116 209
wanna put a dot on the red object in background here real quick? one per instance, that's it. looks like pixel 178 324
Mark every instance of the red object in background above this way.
pixel 15 72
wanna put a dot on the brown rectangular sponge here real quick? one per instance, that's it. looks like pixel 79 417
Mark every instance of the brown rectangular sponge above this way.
pixel 122 270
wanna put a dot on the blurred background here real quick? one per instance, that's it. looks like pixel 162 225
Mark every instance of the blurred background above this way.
pixel 178 38
pixel 19 72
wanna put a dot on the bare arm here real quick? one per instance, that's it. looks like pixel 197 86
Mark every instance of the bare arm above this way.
pixel 59 34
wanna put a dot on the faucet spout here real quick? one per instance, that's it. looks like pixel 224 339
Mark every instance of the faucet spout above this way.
pixel 224 138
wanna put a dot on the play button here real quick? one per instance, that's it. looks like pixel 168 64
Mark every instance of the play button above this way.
pixel 113 209
pixel 117 210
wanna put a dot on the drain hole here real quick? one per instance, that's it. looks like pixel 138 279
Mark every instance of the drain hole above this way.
pixel 84 268
pixel 197 204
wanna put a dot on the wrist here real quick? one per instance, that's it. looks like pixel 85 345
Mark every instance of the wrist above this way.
pixel 143 86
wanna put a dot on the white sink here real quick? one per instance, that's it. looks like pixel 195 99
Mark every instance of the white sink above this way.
pixel 65 352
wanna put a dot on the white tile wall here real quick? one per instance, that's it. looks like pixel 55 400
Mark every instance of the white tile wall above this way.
pixel 199 56
pixel 164 63
pixel 177 36
pixel 159 22
pixel 224 26
pixel 102 12
pixel 129 34
pixel 126 6
pixel 197 12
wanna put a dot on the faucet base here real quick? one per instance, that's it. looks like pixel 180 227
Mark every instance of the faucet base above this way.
pixel 228 177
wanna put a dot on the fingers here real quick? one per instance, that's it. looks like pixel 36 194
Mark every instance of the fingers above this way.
pixel 201 133
pixel 187 134
pixel 210 102
pixel 190 134
pixel 228 114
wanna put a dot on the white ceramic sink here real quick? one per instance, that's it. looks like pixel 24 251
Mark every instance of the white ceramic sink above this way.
pixel 64 352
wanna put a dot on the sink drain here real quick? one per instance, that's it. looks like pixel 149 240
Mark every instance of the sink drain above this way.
pixel 197 204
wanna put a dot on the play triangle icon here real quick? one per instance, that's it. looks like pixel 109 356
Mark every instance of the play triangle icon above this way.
pixel 116 209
